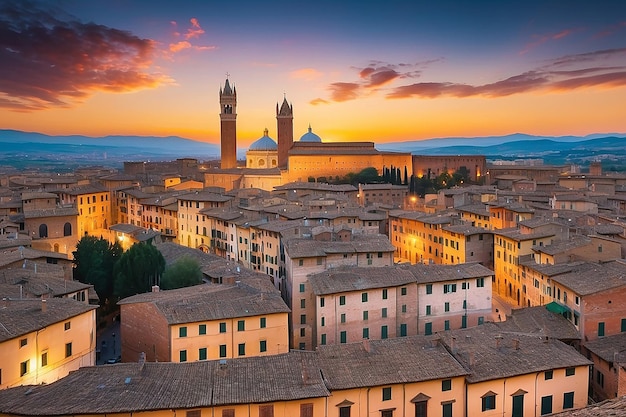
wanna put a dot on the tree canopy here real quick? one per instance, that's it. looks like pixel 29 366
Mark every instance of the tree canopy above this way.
pixel 94 261
pixel 138 269
pixel 185 272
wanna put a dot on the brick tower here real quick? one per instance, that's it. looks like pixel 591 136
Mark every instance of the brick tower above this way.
pixel 284 120
pixel 228 119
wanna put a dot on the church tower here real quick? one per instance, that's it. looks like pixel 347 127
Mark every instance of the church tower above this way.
pixel 284 120
pixel 228 119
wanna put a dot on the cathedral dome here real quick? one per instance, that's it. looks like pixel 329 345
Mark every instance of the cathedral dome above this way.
pixel 264 144
pixel 310 137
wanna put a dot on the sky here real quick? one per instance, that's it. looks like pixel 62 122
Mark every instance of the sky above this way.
pixel 353 70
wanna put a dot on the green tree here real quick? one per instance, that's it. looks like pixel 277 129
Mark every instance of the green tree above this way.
pixel 185 272
pixel 94 260
pixel 138 269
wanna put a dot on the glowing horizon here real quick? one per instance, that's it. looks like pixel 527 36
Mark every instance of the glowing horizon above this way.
pixel 390 73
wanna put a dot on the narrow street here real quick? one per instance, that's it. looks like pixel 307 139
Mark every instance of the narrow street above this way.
pixel 108 343
pixel 501 308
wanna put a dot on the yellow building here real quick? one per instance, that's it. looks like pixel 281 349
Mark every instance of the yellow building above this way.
pixel 204 322
pixel 94 208
pixel 42 341
pixel 192 224
pixel 411 376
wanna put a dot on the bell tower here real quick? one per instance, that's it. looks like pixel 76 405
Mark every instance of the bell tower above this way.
pixel 228 120
pixel 284 120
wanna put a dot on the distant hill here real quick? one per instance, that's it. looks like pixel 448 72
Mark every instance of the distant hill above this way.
pixel 26 149
pixel 64 153
pixel 419 146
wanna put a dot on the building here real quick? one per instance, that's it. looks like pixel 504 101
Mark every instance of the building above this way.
pixel 608 354
pixel 352 304
pixel 204 322
pixel 228 126
pixel 43 340
pixel 93 205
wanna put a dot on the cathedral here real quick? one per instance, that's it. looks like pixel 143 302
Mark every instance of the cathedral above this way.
pixel 271 163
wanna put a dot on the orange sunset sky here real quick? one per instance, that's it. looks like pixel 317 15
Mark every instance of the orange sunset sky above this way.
pixel 385 72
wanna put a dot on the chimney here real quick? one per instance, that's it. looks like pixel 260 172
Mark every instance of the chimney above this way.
pixel 366 345
pixel 453 344
pixel 155 288
pixel 471 358
pixel 498 340
pixel 44 306
pixel 142 360
pixel 516 344
pixel 434 342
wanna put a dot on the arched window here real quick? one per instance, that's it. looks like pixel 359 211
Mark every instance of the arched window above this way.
pixel 43 230
pixel 67 229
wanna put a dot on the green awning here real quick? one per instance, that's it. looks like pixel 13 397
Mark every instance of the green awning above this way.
pixel 557 308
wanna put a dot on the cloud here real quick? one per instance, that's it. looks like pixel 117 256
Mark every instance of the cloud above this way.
pixel 305 74
pixel 47 61
pixel 541 39
pixel 193 32
pixel 605 54
pixel 344 91
pixel 549 81
pixel 611 30
pixel 318 100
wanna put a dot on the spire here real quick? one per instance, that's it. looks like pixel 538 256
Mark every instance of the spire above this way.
pixel 227 89
pixel 285 108
pixel 266 132
pixel 310 130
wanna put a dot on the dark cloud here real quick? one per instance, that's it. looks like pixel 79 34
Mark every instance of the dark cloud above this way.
pixel 587 57
pixel 49 59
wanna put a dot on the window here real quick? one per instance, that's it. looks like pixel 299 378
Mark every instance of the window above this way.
pixel 481 320
pixel 548 375
pixel 446 410
pixel 421 409
pixel 480 282
pixel 342 300
pixel 302 332
pixel 366 333
pixel 228 412
pixel 23 342
pixel 365 315
pixel 44 359
pixel 449 288
pixel 322 301
pixel 241 349
pixel 302 318
pixel 263 323
pixel 383 332
pixel 518 406
pixel 342 318
pixel 384 312
pixel 266 410
pixel 386 393
pixel 384 294
pixel 303 303
pixel 319 261
pixel 344 411
pixel 601 329
pixel 403 308
pixel 222 327
pixel 428 329
pixel 464 304
pixel 323 321
pixel 68 350
pixel 306 410
pixel 428 310
pixel 343 337
pixel 568 400
pixel 263 346
pixel 463 321
pixel 301 287
pixel 67 325
pixel 323 339
pixel 446 307
pixel 222 351
pixel 300 262
pixel 183 356
pixel 464 286
pixel 241 325
pixel 364 297
pixel 403 291
pixel 429 288
pixel 446 385
pixel 202 354
pixel 446 325
pixel 24 367
pixel 600 378
pixel 546 405
pixel 489 401
pixel 182 332
pixel 202 329
pixel 570 371
pixel 402 329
